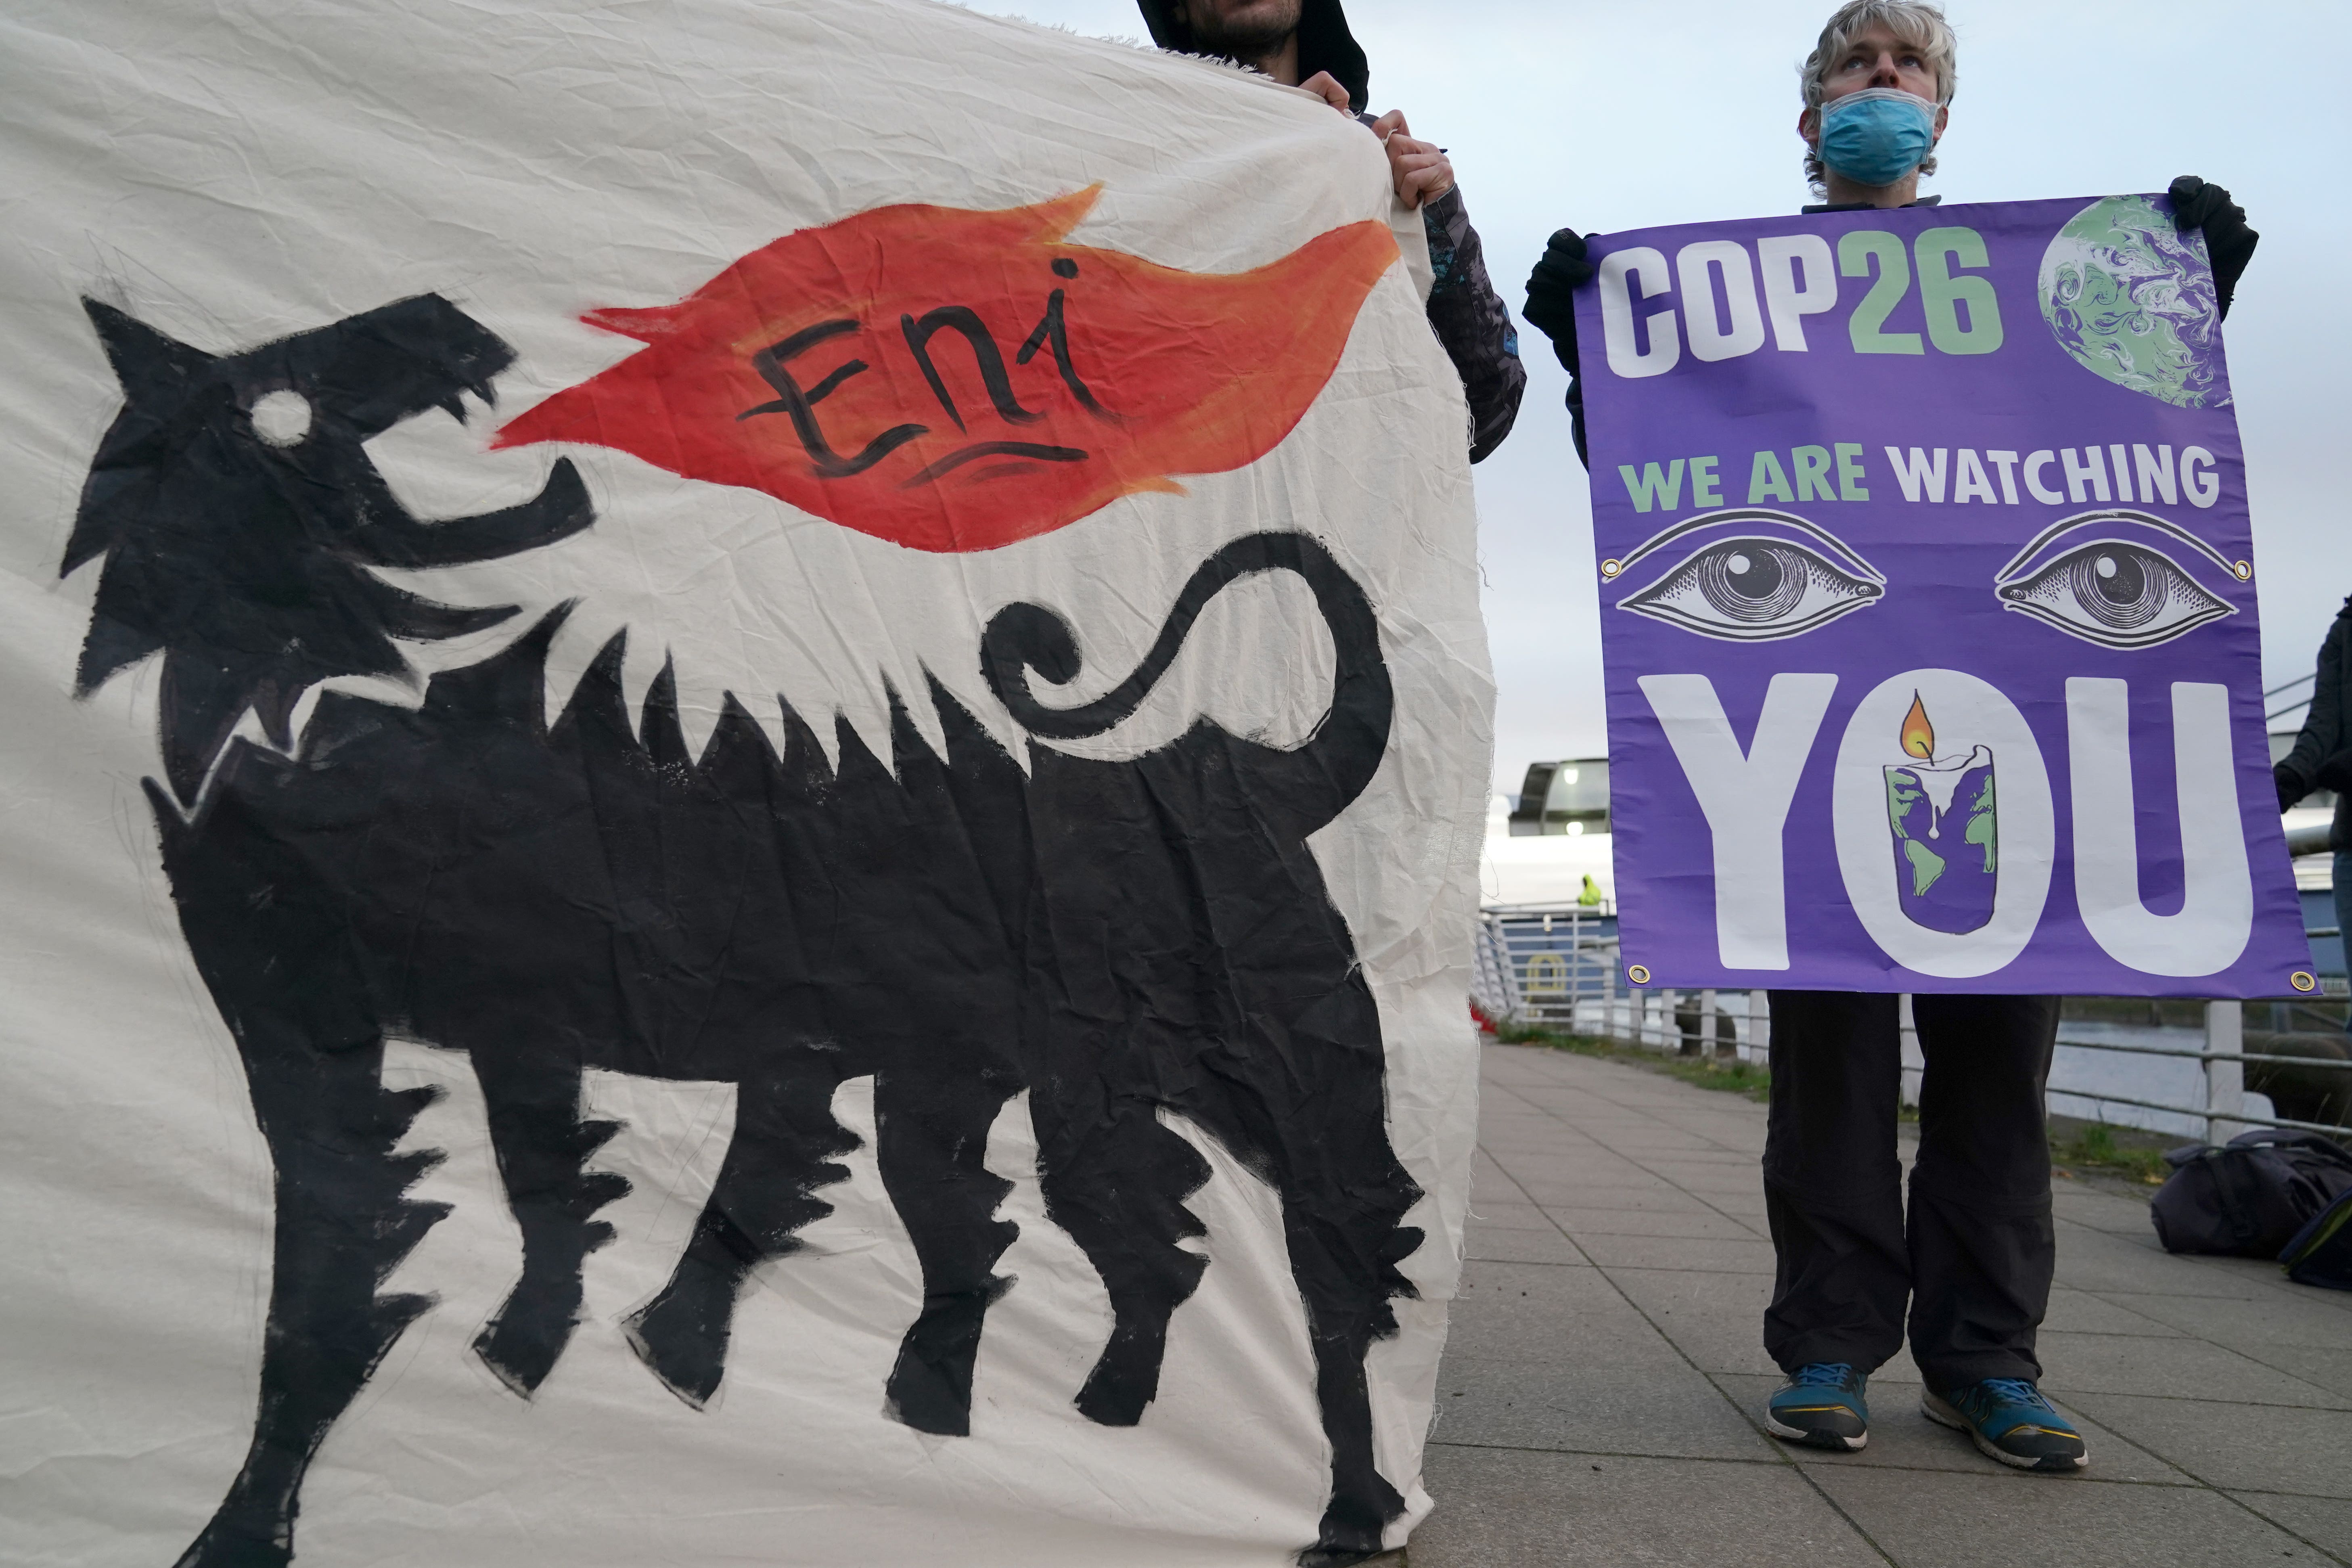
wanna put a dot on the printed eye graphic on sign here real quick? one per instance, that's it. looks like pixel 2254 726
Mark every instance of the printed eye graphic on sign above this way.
pixel 1758 575
pixel 2110 588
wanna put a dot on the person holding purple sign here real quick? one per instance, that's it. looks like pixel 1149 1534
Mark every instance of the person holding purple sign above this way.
pixel 1975 1260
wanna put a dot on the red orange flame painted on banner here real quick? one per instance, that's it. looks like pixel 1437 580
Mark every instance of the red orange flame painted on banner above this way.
pixel 958 380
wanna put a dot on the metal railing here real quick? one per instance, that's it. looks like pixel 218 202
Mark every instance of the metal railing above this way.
pixel 2271 715
pixel 1556 966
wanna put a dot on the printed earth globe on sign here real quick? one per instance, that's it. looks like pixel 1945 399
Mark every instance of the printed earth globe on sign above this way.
pixel 2132 300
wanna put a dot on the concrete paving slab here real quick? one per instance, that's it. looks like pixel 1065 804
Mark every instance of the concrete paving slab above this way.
pixel 1743 1207
pixel 1572 1172
pixel 1715 1319
pixel 1728 1117
pixel 1694 1224
pixel 2325 1522
pixel 1544 1315
pixel 1903 1439
pixel 2328 1369
pixel 1487 1244
pixel 1615 1125
pixel 2080 1313
pixel 1924 1518
pixel 1665 1411
pixel 1575 1101
pixel 1584 1333
pixel 1736 1139
pixel 1656 1196
pixel 1558 1143
pixel 2176 1367
pixel 1501 1508
pixel 2263 1277
pixel 1497 1188
pixel 1654 1158
pixel 1743 1180
pixel 1727 1162
pixel 1581 1164
pixel 1512 1116
pixel 2241 1446
pixel 2101 1211
pixel 1567 1150
pixel 2242 1325
pixel 2100 1261
pixel 1707 1255
pixel 1513 1111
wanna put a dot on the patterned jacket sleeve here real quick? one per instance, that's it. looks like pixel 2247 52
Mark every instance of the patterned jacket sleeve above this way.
pixel 1472 324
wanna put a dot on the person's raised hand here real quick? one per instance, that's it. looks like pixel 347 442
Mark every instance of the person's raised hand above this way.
pixel 1551 306
pixel 1420 170
pixel 1328 87
pixel 2229 243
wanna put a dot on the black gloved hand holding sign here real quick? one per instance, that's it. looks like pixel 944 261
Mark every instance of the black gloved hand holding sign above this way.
pixel 2229 243
pixel 1552 311
pixel 1551 288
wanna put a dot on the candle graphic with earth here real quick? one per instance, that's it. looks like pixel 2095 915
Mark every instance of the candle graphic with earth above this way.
pixel 1940 812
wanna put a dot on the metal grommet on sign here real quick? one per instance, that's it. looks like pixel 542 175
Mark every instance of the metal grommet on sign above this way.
pixel 1639 974
pixel 2303 980
pixel 1611 568
pixel 2245 571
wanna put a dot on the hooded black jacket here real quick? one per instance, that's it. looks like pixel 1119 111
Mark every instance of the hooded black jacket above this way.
pixel 1469 318
pixel 2322 758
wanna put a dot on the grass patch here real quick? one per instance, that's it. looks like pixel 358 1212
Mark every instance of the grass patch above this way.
pixel 2092 1146
pixel 2073 1145
pixel 2076 1146
pixel 1730 1074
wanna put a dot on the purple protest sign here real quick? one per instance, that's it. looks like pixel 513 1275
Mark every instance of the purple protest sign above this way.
pixel 1928 607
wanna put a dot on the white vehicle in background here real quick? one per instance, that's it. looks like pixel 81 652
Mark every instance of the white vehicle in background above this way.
pixel 1552 846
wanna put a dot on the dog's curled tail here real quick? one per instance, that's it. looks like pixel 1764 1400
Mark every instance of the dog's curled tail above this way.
pixel 1312 783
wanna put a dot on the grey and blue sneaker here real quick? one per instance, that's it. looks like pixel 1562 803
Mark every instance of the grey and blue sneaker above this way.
pixel 1821 1407
pixel 2010 1421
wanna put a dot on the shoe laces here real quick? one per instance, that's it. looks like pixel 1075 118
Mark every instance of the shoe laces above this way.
pixel 1825 1373
pixel 2012 1391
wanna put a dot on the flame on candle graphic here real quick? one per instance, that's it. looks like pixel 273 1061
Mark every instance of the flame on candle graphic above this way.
pixel 1918 735
pixel 1944 827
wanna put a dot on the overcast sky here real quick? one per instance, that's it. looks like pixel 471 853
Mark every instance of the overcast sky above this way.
pixel 1609 115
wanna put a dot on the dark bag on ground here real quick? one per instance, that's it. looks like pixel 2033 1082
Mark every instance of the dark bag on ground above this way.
pixel 2249 1197
pixel 2321 1252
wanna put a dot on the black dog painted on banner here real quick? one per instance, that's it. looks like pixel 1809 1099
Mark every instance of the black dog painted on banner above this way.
pixel 1118 938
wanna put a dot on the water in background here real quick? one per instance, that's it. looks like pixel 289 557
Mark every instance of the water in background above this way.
pixel 2167 1080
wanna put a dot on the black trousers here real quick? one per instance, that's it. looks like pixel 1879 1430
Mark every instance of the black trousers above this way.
pixel 1975 1258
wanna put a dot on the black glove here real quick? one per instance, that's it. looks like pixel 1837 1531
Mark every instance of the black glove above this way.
pixel 1552 305
pixel 2291 788
pixel 2336 773
pixel 2229 243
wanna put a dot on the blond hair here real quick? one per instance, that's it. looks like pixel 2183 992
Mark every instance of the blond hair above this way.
pixel 1914 22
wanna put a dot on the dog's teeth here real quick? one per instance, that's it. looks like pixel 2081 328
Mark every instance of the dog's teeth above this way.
pixel 457 409
pixel 486 392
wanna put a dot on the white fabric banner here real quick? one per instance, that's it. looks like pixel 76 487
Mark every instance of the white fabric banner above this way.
pixel 837 934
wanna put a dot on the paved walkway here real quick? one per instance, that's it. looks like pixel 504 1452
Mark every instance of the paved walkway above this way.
pixel 1598 1403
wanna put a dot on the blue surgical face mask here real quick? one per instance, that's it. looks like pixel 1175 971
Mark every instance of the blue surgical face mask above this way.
pixel 1876 136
